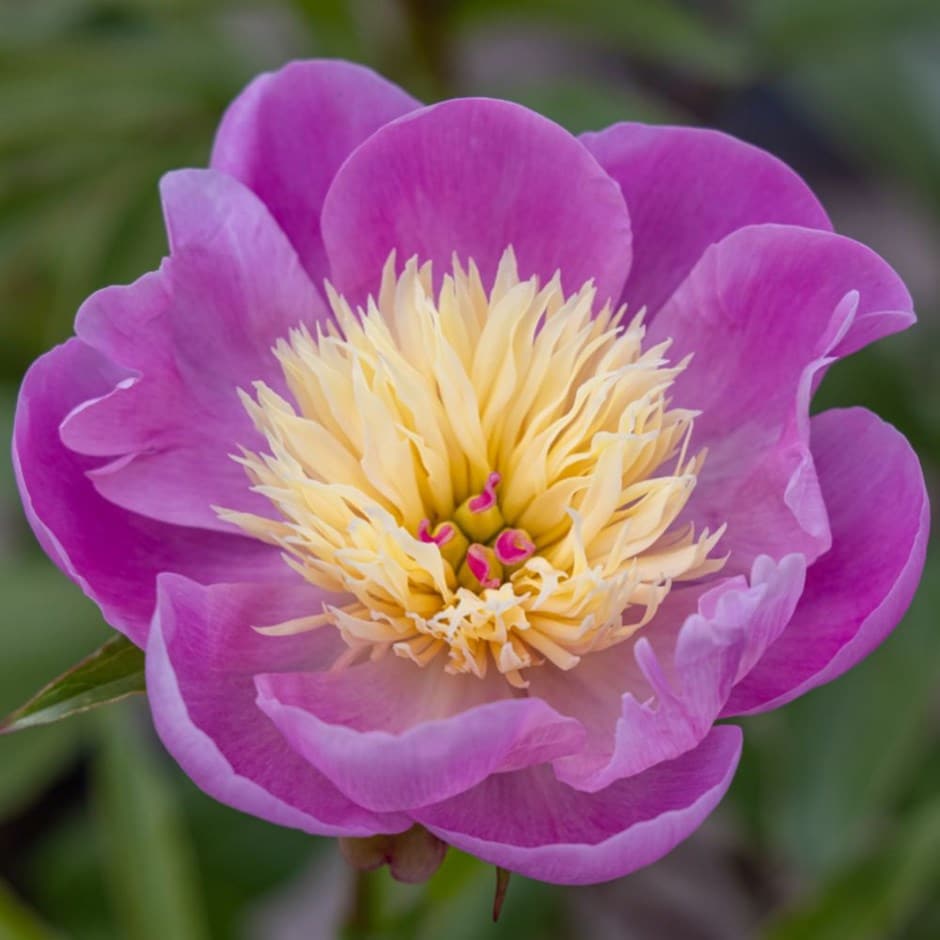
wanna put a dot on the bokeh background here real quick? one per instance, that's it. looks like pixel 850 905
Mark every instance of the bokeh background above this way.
pixel 832 827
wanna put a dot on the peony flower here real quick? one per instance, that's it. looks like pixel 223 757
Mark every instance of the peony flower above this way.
pixel 457 472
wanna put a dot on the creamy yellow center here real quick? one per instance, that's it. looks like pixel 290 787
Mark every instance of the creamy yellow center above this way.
pixel 489 477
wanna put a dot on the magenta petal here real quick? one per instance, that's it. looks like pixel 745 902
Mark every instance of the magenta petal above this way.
pixel 288 132
pixel 858 591
pixel 763 305
pixel 113 555
pixel 190 336
pixel 762 313
pixel 394 737
pixel 474 176
pixel 688 660
pixel 132 414
pixel 688 187
pixel 201 660
pixel 530 823
pixel 236 280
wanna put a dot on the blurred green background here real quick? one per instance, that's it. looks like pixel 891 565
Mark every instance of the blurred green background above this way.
pixel 832 828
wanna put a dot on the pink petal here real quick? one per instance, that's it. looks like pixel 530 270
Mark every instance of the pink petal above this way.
pixel 474 176
pixel 392 736
pixel 289 131
pixel 201 660
pixel 762 313
pixel 112 554
pixel 858 591
pixel 687 660
pixel 190 336
pixel 530 823
pixel 688 187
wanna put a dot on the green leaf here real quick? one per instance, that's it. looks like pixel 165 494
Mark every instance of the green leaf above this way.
pixel 828 769
pixel 149 859
pixel 586 104
pixel 802 29
pixel 63 868
pixel 112 672
pixel 662 32
pixel 877 896
pixel 222 839
pixel 333 26
pixel 17 922
pixel 884 118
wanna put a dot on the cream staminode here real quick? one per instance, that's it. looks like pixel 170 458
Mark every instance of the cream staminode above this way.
pixel 489 477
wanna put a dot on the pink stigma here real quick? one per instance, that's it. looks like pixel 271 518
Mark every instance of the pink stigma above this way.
pixel 480 562
pixel 487 499
pixel 440 536
pixel 514 546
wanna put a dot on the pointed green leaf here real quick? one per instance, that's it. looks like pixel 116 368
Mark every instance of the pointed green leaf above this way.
pixel 112 672
pixel 48 626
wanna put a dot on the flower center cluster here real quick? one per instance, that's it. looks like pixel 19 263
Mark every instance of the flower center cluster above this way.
pixel 476 543
pixel 492 477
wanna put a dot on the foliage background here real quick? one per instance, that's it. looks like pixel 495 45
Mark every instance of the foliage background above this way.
pixel 832 828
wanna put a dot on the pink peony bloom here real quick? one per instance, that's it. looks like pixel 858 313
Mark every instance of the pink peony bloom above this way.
pixel 494 553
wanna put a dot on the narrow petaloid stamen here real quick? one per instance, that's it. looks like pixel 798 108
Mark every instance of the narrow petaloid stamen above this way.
pixel 513 546
pixel 533 427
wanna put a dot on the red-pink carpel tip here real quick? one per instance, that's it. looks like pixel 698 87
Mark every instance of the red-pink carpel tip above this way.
pixel 514 546
pixel 487 499
pixel 483 565
pixel 440 536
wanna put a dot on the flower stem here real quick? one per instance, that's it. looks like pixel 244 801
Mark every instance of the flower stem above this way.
pixel 502 886
pixel 362 913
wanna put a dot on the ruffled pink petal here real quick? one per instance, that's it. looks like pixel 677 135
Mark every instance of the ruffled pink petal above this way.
pixel 687 188
pixel 112 554
pixel 530 823
pixel 473 176
pixel 288 132
pixel 687 660
pixel 858 591
pixel 189 336
pixel 201 659
pixel 392 736
pixel 762 313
